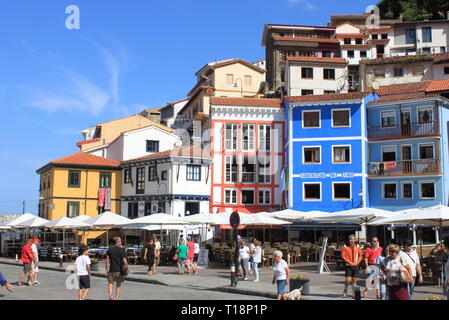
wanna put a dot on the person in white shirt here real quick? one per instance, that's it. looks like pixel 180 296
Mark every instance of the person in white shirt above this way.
pixel 244 258
pixel 281 274
pixel 256 254
pixel 82 264
pixel 412 258
pixel 34 267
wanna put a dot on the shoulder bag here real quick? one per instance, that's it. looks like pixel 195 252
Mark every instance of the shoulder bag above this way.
pixel 406 277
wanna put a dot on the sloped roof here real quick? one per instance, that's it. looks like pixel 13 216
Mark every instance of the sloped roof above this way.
pixel 405 88
pixel 438 85
pixel 316 59
pixel 328 97
pixel 83 158
pixel 304 39
pixel 403 97
pixel 245 102
pixel 185 152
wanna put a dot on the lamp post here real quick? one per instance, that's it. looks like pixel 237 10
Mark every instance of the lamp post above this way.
pixel 241 86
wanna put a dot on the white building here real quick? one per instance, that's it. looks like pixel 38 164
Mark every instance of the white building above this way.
pixel 313 75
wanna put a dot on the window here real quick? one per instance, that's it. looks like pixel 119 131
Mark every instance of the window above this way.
pixel 192 208
pixel 230 196
pixel 341 154
pixel 306 92
pixel 426 50
pixel 347 40
pixel 248 81
pixel 351 54
pixel 375 36
pixel 358 41
pixel 152 174
pixel 247 196
pixel 341 118
pixel 388 118
pixel 133 209
pixel 363 54
pixel 425 115
pixel 410 36
pixel 384 36
pixel 147 210
pixel 307 73
pixel 427 190
pixel 446 70
pixel 264 197
pixel 326 54
pixel 164 175
pixel 329 91
pixel 264 137
pixel 105 179
pixel 426 151
pixel 427 34
pixel 74 179
pixel 407 190
pixel 140 180
pixel 341 191
pixel 231 136
pixel 248 137
pixel 329 74
pixel 379 72
pixel 418 71
pixel 73 209
pixel 389 191
pixel 312 191
pixel 311 155
pixel 442 49
pixel 230 79
pixel 398 72
pixel 152 146
pixel 49 181
pixel 311 119
pixel 231 168
pixel 389 153
pixel 127 175
pixel 193 173
pixel 264 168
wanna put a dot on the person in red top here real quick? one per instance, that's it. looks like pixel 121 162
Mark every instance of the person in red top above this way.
pixel 27 258
pixel 352 256
pixel 191 265
pixel 372 268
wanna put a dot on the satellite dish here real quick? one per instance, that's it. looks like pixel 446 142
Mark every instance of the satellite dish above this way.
pixel 376 85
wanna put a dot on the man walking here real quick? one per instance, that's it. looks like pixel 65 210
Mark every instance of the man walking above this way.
pixel 157 253
pixel 352 256
pixel 410 255
pixel 372 269
pixel 34 267
pixel 27 258
pixel 116 263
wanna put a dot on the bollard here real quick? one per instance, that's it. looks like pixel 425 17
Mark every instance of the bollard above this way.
pixel 17 258
pixel 61 265
pixel 233 277
pixel 357 293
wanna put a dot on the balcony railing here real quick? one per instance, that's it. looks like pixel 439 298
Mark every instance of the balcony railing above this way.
pixel 404 167
pixel 248 177
pixel 406 130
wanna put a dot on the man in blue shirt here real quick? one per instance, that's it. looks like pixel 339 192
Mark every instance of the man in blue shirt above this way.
pixel 5 283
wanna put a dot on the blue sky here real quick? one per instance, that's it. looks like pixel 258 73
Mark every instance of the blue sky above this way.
pixel 127 55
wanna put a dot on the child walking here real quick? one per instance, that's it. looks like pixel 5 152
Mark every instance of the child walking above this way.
pixel 83 271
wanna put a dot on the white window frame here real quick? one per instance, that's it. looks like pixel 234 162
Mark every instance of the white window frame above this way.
pixel 383 190
pixel 232 190
pixel 434 189
pixel 232 136
pixel 304 192
pixel 333 190
pixel 340 109
pixel 264 196
pixel 258 168
pixel 254 196
pixel 389 146
pixel 385 111
pixel 251 139
pixel 342 145
pixel 426 144
pixel 402 189
pixel 311 163
pixel 319 119
pixel 264 131
pixel 231 164
pixel 402 152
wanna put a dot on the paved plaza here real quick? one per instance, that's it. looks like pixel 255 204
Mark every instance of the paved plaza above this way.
pixel 210 284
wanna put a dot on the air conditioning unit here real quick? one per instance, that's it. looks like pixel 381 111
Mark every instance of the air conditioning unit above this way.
pixel 154 206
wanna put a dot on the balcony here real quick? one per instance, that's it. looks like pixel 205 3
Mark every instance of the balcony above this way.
pixel 407 130
pixel 404 168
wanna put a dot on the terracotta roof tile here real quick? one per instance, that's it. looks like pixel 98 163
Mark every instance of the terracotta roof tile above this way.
pixel 303 39
pixel 403 97
pixel 435 58
pixel 328 97
pixel 438 85
pixel 398 89
pixel 83 158
pixel 187 152
pixel 316 59
pixel 245 102
pixel 81 143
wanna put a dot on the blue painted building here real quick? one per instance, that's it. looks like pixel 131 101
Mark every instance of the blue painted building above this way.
pixel 327 152
pixel 408 152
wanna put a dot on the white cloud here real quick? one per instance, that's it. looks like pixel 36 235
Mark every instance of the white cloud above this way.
pixel 304 3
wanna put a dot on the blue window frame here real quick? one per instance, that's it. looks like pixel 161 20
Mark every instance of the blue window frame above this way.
pixel 427 34
pixel 410 36
pixel 193 173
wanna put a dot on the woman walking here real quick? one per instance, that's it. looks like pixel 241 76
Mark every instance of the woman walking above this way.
pixel 391 266
pixel 281 274
pixel 244 258
pixel 182 256
pixel 257 258
pixel 149 256
pixel 191 266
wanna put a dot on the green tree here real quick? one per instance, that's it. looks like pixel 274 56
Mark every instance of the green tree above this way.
pixel 413 10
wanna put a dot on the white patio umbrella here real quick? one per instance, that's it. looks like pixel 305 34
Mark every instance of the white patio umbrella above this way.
pixel 201 218
pixel 34 222
pixel 65 223
pixel 157 227
pixel 295 215
pixel 357 215
pixel 20 219
pixel 158 219
pixel 4 227
pixel 82 218
pixel 108 220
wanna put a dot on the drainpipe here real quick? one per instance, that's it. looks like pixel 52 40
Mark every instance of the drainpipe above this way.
pixel 85 191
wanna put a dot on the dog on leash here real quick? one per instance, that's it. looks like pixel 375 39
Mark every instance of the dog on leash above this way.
pixel 293 295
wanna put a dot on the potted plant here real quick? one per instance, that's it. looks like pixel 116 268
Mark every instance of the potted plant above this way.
pixel 94 266
pixel 300 282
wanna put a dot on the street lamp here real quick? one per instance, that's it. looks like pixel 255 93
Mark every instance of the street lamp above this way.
pixel 241 86
pixel 361 195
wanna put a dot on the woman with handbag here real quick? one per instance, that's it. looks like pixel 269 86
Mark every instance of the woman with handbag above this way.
pixel 397 273
pixel 181 256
